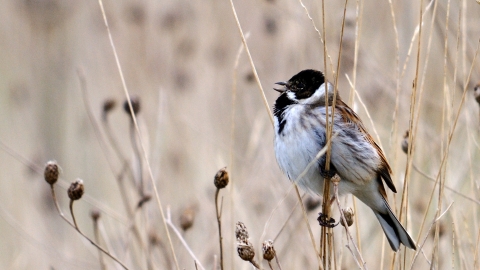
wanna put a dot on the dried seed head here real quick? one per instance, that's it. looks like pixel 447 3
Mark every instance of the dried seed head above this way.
pixel 221 178
pixel 405 142
pixel 76 189
pixel 311 203
pixel 187 218
pixel 108 105
pixel 154 238
pixel 241 232
pixel 135 105
pixel 51 172
pixel 146 198
pixel 246 251
pixel 268 250
pixel 476 93
pixel 348 214
pixel 95 214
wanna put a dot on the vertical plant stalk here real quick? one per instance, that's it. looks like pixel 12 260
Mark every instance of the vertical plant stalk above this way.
pixel 324 248
pixel 219 222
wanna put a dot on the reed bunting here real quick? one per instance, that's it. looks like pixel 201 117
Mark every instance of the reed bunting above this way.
pixel 300 134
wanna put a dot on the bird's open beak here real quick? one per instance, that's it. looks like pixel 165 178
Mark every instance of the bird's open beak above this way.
pixel 282 84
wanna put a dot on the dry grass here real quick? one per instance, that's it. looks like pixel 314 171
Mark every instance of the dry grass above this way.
pixel 201 111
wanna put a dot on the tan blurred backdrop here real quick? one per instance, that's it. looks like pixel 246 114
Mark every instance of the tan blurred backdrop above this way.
pixel 178 58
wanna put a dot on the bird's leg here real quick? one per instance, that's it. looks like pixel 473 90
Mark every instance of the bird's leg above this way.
pixel 323 219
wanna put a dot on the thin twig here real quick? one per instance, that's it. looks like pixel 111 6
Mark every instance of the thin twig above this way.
pixel 169 222
pixel 318 32
pixel 420 247
pixel 278 262
pixel 432 179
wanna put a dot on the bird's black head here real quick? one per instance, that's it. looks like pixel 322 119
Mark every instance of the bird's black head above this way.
pixel 304 84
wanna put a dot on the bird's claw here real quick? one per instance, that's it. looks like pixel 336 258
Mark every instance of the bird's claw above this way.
pixel 328 174
pixel 326 221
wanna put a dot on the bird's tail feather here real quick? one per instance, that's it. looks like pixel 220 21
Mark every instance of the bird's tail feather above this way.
pixel 394 231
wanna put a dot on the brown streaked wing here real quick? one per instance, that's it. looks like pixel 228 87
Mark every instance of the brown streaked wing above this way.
pixel 348 115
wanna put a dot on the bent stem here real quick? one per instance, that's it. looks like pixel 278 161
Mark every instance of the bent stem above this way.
pixel 74 225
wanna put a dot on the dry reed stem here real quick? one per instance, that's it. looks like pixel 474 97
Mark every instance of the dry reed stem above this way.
pixel 414 127
pixel 254 70
pixel 319 34
pixel 134 118
pixel 422 88
pixel 325 248
pixel 412 133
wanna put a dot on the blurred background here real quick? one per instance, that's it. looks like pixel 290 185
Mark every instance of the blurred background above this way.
pixel 200 112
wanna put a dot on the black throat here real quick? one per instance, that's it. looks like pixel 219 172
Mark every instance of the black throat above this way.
pixel 279 108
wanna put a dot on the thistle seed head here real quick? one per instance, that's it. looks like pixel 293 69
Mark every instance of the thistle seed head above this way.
pixel 135 105
pixel 405 142
pixel 246 251
pixel 51 172
pixel 241 232
pixel 476 93
pixel 221 178
pixel 108 105
pixel 76 190
pixel 187 218
pixel 268 250
pixel 348 214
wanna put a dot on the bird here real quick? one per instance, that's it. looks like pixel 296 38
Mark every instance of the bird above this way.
pixel 300 134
